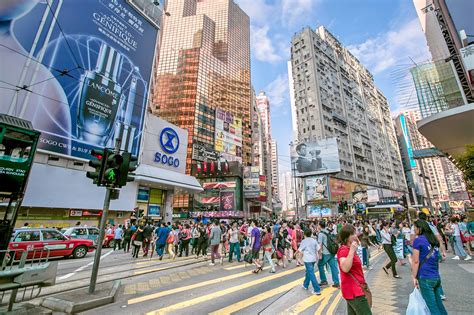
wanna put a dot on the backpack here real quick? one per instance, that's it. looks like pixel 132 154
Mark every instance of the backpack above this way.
pixel 332 245
pixel 170 238
pixel 182 235
pixel 299 236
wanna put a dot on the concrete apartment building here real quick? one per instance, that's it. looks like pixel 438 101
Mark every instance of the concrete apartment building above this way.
pixel 335 96
pixel 275 174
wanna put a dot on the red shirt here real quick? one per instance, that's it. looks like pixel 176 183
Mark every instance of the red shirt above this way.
pixel 349 287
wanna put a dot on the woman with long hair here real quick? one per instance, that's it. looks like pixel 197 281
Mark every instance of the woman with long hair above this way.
pixel 425 267
pixel 388 248
pixel 353 284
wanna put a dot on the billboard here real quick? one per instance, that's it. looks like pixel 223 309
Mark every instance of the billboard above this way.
pixel 467 56
pixel 318 211
pixel 165 145
pixel 316 188
pixel 228 135
pixel 227 200
pixel 263 188
pixel 372 195
pixel 84 75
pixel 406 138
pixel 251 182
pixel 316 157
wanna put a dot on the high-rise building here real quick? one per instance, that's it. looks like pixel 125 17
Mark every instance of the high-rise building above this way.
pixel 274 162
pixel 443 22
pixel 204 66
pixel 294 120
pixel 335 97
pixel 286 185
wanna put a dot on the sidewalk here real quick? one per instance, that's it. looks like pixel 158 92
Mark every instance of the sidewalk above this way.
pixel 390 295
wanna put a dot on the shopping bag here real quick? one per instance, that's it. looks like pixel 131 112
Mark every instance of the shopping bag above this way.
pixel 416 304
pixel 399 248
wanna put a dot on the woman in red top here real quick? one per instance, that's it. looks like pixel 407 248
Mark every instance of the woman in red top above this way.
pixel 352 275
pixel 268 248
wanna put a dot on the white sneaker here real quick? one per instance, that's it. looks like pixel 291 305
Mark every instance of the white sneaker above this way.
pixel 468 257
pixel 443 297
pixel 456 258
pixel 304 287
pixel 212 264
pixel 315 293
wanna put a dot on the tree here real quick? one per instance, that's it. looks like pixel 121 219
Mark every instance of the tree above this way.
pixel 465 163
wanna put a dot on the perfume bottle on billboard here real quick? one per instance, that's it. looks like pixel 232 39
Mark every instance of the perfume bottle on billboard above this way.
pixel 100 98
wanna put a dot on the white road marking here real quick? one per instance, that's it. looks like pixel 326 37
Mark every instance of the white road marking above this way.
pixel 69 275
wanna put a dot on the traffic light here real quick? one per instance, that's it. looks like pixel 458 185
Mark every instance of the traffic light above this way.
pixel 97 162
pixel 346 207
pixel 113 163
pixel 129 164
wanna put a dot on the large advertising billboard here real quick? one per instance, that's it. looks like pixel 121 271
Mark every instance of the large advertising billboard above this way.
pixel 316 188
pixel 228 135
pixel 251 182
pixel 316 157
pixel 79 70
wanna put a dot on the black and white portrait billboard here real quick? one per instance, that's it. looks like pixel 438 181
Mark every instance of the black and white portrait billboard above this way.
pixel 316 157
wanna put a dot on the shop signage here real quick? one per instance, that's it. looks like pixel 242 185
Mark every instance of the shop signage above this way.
pixel 315 211
pixel 228 135
pixel 227 200
pixel 165 145
pixel 201 153
pixel 216 169
pixel 217 214
pixel 263 188
pixel 316 188
pixel 251 182
pixel 218 185
pixel 75 213
pixel 154 210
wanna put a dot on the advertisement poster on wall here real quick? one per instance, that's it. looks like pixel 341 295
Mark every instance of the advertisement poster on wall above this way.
pixel 227 200
pixel 316 157
pixel 228 135
pixel 251 181
pixel 88 74
pixel 316 188
pixel 318 211
pixel 359 196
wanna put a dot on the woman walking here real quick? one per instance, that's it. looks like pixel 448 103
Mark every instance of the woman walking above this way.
pixel 234 242
pixel 137 241
pixel 388 248
pixel 280 248
pixel 425 268
pixel 353 284
pixel 457 242
pixel 268 247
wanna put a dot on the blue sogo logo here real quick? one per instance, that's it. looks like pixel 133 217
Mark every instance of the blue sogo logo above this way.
pixel 169 140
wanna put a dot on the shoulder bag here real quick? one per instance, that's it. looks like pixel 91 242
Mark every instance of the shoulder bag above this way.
pixel 365 288
pixel 424 260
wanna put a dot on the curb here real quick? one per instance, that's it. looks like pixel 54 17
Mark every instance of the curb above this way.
pixel 71 307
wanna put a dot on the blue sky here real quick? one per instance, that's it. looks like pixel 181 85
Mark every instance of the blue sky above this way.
pixel 383 34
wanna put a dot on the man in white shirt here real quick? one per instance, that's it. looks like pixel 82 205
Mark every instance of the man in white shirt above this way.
pixel 310 249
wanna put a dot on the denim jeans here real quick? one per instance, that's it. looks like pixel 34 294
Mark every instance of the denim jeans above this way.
pixel 458 248
pixel 311 277
pixel 268 256
pixel 160 248
pixel 234 249
pixel 331 260
pixel 431 291
pixel 365 256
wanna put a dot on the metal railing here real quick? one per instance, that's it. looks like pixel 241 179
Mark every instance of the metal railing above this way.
pixel 23 274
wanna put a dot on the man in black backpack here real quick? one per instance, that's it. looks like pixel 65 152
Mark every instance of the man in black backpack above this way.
pixel 329 246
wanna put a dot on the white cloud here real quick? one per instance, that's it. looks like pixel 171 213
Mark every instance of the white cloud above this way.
pixel 257 10
pixel 277 91
pixel 393 47
pixel 296 11
pixel 262 46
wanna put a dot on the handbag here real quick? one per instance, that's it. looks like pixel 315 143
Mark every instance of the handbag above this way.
pixel 365 288
pixel 463 237
pixel 248 257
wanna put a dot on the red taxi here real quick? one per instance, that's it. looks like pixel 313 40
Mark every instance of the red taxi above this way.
pixel 35 240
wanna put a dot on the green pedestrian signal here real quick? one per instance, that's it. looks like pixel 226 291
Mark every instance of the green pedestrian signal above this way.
pixel 111 175
pixel 112 170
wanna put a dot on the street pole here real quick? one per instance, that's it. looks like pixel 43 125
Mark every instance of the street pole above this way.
pixel 98 251
pixel 296 195
pixel 103 220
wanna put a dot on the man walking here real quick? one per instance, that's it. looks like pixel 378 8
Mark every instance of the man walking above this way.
pixel 310 249
pixel 215 239
pixel 327 257
pixel 118 237
pixel 161 236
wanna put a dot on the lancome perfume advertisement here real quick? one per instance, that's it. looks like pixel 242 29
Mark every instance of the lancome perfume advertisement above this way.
pixel 79 70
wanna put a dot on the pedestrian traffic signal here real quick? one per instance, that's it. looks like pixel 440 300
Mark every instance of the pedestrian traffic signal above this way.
pixel 112 169
pixel 129 164
pixel 97 162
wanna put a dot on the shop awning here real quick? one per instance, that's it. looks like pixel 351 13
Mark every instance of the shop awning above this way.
pixel 386 206
pixel 162 178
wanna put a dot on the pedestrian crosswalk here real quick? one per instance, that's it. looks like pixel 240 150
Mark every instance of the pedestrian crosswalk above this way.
pixel 241 292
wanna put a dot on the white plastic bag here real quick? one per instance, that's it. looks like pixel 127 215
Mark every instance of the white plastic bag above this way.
pixel 416 304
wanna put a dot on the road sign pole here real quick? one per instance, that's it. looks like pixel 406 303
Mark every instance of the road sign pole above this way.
pixel 100 241
pixel 103 220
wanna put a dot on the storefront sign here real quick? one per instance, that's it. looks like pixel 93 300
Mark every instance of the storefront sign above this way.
pixel 201 153
pixel 154 210
pixel 165 145
pixel 218 185
pixel 251 182
pixel 263 188
pixel 75 213
pixel 217 214
pixel 143 194
pixel 228 134
pixel 318 211
pixel 227 200
pixel 372 195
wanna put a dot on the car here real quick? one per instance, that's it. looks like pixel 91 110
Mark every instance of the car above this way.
pixel 89 233
pixel 36 240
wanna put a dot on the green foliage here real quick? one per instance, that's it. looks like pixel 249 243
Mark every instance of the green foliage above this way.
pixel 465 163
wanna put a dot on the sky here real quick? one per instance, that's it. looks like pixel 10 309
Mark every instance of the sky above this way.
pixel 385 35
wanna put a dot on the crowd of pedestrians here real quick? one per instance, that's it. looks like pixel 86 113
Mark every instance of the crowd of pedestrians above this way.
pixel 340 246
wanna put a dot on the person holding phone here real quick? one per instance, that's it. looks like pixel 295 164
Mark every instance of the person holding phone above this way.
pixel 354 288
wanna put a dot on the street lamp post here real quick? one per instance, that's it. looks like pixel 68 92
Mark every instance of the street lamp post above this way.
pixel 293 169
